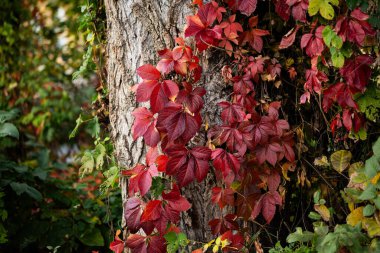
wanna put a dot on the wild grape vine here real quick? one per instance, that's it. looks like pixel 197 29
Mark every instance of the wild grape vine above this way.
pixel 254 144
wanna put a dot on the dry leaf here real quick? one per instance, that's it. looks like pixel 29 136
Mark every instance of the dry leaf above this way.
pixel 340 160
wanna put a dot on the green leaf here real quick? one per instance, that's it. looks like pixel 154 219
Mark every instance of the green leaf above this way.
pixel 324 7
pixel 300 236
pixel 92 237
pixel 99 155
pixel 376 201
pixel 314 216
pixel 8 115
pixel 175 241
pixel 20 188
pixel 79 122
pixel 8 129
pixel 88 163
pixel 331 39
pixel 369 103
pixel 376 148
pixel 372 166
pixel 316 196
pixel 369 210
pixel 337 41
pixel 111 176
pixel 87 64
pixel 327 35
pixel 337 58
pixel 93 127
pixel 352 4
pixel 346 50
pixel 158 186
pixel 368 193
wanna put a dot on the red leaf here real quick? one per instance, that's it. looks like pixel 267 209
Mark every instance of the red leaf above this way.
pixel 355 27
pixel 225 162
pixel 177 123
pixel 148 72
pixel 187 164
pixel 253 37
pixel 150 244
pixel 161 162
pixel 287 141
pixel 313 42
pixel 132 212
pixel 152 211
pixel 247 7
pixel 282 9
pixel 237 137
pixel 179 60
pixel 199 26
pixel 267 205
pixel 273 181
pixel 222 196
pixel 268 151
pixel 347 119
pixel 141 178
pixel 289 38
pixel 151 156
pixel 117 245
pixel 145 126
pixel 340 93
pixel 299 8
pixel 243 85
pixel 198 2
pixel 231 112
pixel 157 244
pixel 314 79
pixel 192 100
pixel 336 123
pixel 219 226
pixel 261 128
pixel 236 241
pixel 175 204
pixel 231 27
pixel 136 243
pixel 357 72
pixel 270 200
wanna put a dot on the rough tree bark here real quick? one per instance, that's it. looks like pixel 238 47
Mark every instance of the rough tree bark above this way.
pixel 136 30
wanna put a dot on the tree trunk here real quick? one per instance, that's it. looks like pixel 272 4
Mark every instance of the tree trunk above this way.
pixel 136 30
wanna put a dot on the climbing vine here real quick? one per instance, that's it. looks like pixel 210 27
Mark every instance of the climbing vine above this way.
pixel 324 59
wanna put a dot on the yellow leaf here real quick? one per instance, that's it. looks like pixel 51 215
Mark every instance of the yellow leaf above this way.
pixel 235 185
pixel 351 206
pixel 206 246
pixel 372 227
pixel 340 160
pixel 321 161
pixel 355 216
pixel 225 242
pixel 217 241
pixel 375 178
pixel 215 249
pixel 277 84
pixel 323 211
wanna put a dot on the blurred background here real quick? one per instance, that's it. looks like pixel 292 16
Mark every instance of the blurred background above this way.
pixel 56 167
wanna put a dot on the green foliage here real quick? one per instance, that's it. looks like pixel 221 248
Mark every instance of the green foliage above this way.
pixel 334 42
pixel 324 7
pixel 175 241
pixel 343 236
pixel 369 103
pixel 44 204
